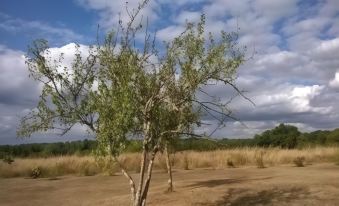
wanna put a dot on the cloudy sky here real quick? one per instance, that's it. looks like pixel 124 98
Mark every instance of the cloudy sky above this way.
pixel 292 72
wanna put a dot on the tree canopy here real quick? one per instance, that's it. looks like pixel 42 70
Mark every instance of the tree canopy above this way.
pixel 119 91
pixel 283 135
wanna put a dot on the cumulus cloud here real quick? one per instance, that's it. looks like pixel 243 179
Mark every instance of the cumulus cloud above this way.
pixel 16 88
pixel 19 94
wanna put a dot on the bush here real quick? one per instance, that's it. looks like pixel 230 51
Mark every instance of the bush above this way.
pixel 8 159
pixel 107 165
pixel 299 161
pixel 88 168
pixel 230 163
pixel 161 163
pixel 36 172
pixel 185 162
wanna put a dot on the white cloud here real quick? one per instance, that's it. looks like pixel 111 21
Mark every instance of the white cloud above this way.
pixel 112 11
pixel 68 52
pixel 12 65
pixel 42 29
pixel 274 10
pixel 301 97
pixel 19 94
pixel 334 83
pixel 189 16
pixel 169 33
pixel 327 50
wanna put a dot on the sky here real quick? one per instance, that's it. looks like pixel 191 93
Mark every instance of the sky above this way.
pixel 291 72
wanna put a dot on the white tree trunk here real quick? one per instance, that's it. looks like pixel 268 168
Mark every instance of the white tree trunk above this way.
pixel 169 170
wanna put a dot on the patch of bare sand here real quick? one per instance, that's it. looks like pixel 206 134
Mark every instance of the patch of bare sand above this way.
pixel 284 185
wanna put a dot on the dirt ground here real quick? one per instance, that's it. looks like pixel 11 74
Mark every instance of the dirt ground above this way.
pixel 284 185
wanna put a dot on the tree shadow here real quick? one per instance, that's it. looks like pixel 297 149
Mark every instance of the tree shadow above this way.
pixel 219 182
pixel 54 178
pixel 247 197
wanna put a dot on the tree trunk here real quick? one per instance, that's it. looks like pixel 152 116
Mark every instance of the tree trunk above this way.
pixel 141 200
pixel 141 177
pixel 148 179
pixel 131 182
pixel 130 179
pixel 169 169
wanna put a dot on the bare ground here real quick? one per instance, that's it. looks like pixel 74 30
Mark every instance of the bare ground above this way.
pixel 281 185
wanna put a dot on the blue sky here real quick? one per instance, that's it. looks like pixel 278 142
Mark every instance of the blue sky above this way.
pixel 67 15
pixel 293 76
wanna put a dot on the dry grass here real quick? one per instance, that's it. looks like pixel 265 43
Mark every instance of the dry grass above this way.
pixel 85 166
pixel 252 157
pixel 50 167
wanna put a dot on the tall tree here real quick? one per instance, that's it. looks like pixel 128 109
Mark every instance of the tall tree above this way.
pixel 118 91
pixel 284 136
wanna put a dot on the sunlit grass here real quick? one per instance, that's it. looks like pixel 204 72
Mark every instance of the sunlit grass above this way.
pixel 87 165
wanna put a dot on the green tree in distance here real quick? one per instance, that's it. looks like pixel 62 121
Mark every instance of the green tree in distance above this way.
pixel 119 92
pixel 284 136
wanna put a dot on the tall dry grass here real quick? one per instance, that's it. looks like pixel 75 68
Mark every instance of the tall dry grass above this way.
pixel 74 165
pixel 249 157
pixel 51 166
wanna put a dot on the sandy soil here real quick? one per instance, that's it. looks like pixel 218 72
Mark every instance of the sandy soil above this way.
pixel 283 185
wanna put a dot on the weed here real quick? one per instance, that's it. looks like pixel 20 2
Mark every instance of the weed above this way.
pixel 230 163
pixel 8 159
pixel 299 161
pixel 259 159
pixel 36 172
pixel 185 162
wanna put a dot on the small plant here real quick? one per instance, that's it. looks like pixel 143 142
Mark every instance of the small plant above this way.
pixel 336 158
pixel 36 172
pixel 299 161
pixel 162 163
pixel 107 165
pixel 230 163
pixel 259 159
pixel 185 162
pixel 88 169
pixel 8 159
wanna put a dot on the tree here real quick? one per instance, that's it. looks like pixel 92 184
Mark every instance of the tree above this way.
pixel 333 137
pixel 284 136
pixel 135 96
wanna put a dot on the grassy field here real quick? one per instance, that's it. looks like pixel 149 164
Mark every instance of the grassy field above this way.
pixel 220 159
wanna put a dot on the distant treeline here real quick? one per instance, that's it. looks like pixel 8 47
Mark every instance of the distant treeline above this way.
pixel 283 136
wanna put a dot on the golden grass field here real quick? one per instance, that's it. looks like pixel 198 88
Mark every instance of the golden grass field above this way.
pixel 88 165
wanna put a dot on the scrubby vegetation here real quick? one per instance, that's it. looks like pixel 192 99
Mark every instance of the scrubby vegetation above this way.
pixel 185 160
pixel 299 161
pixel 281 145
pixel 283 136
